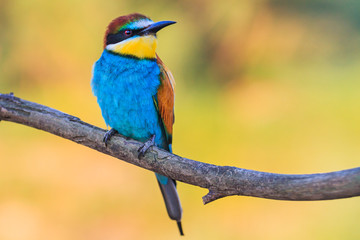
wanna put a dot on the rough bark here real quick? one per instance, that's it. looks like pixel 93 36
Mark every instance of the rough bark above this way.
pixel 221 181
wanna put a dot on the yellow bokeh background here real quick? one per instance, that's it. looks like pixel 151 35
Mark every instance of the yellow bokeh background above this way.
pixel 266 85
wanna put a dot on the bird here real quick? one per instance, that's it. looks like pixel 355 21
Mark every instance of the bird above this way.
pixel 135 92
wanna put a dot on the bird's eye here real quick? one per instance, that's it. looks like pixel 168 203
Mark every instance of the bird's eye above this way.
pixel 127 32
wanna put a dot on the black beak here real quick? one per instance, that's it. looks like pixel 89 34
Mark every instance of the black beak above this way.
pixel 155 27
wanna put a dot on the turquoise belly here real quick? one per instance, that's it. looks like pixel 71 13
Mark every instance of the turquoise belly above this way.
pixel 125 88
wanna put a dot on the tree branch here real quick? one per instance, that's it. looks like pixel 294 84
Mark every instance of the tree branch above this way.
pixel 221 181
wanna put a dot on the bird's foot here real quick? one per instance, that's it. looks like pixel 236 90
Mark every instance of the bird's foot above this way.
pixel 149 143
pixel 108 135
pixel 9 96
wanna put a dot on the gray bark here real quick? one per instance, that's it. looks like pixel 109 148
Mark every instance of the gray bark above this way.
pixel 221 181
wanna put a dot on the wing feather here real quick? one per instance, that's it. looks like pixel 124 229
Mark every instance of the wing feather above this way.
pixel 166 98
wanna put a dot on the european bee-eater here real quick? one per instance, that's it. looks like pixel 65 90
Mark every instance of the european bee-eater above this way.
pixel 135 92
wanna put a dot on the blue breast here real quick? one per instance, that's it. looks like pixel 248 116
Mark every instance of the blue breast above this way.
pixel 125 88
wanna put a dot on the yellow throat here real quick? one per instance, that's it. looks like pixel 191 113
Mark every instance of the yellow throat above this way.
pixel 140 47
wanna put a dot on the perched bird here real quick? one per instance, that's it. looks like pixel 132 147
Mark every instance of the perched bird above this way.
pixel 135 92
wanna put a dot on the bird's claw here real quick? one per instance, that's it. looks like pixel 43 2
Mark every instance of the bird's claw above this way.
pixel 149 143
pixel 108 135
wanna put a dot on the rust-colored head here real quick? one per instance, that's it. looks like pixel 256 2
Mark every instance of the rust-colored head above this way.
pixel 123 21
pixel 133 35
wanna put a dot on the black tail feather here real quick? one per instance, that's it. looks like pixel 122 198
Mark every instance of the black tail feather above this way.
pixel 172 201
pixel 180 228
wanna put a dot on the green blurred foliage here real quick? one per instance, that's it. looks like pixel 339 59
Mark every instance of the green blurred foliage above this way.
pixel 265 85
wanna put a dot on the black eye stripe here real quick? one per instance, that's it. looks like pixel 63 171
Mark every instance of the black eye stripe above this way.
pixel 120 36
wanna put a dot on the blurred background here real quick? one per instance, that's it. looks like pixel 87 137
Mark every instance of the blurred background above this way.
pixel 268 85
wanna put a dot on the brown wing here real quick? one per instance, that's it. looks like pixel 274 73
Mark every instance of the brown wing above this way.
pixel 165 97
